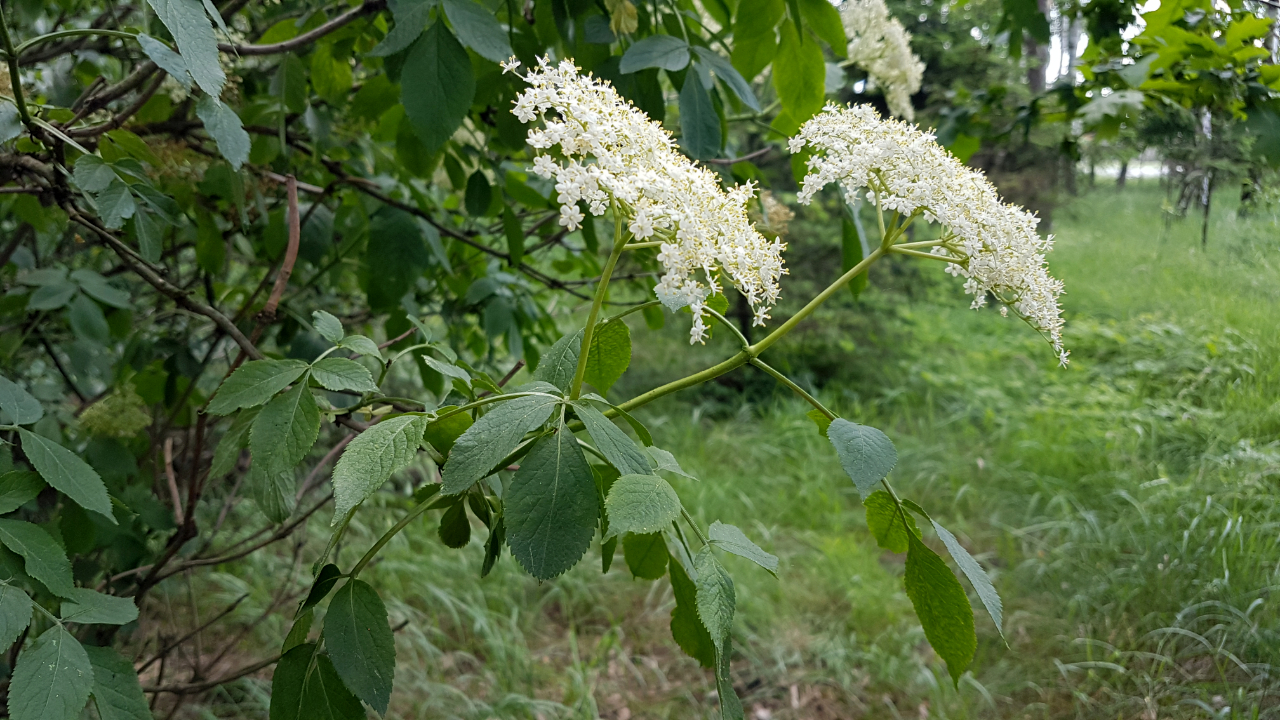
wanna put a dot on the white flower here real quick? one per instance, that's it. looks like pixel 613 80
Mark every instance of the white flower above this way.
pixel 600 149
pixel 993 245
pixel 880 45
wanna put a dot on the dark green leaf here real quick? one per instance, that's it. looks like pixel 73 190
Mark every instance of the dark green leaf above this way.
pixel 825 20
pixel 299 631
pixel 52 679
pixel 455 528
pixel 67 473
pixel 699 123
pixel 168 60
pixel 191 29
pixel 342 374
pixel 552 506
pixel 479 193
pixel 851 253
pixel 329 327
pixel 686 627
pixel 729 75
pixel 886 522
pixel 730 704
pixel 610 354
pixel 732 540
pixel 224 126
pixel 866 454
pixel 272 491
pixel 360 644
pixel 116 692
pixel 493 546
pixel 656 51
pixel 646 555
pixel 321 586
pixel 942 606
pixel 443 85
pixel 394 258
pixel 15 614
pixel 515 236
pixel 641 504
pixel 10 122
pixel 52 296
pixel 716 597
pixel 478 29
pixel 87 320
pixel 285 430
pixel 477 451
pixel 559 363
pixel 289 84
pixel 617 448
pixel 229 447
pixel 372 457
pixel 150 241
pixel 100 289
pixel 86 606
pixel 411 18
pixel 254 383
pixel 977 576
pixel 17 488
pixel 306 686
pixel 18 406
pixel 361 345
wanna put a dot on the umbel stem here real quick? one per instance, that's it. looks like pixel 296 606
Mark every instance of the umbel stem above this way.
pixel 619 241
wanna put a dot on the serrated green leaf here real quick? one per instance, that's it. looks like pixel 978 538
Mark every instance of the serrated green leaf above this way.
pixel 191 29
pixel 254 383
pixel 92 174
pixel 656 51
pixel 686 627
pixel 17 405
pixel 272 491
pixel 614 444
pixel 150 241
pixel 447 369
pixel 17 488
pixel 15 614
pixel 411 19
pixel 478 29
pixel 732 540
pixel 641 504
pixel 886 522
pixel 455 528
pixel 443 85
pixel 306 686
pixel 443 433
pixel 478 450
pixel 360 644
pixel 321 586
pixel 942 606
pixel 285 430
pixel 86 606
pixel 754 38
pixel 361 345
pixel 372 457
pixel 610 354
pixel 558 364
pixel 168 60
pixel 299 631
pixel 866 454
pixel 728 75
pixel 394 257
pixel 824 19
pixel 117 694
pixel 493 546
pixel 224 126
pixel 44 559
pixel 67 473
pixel 52 296
pixel 342 374
pixel 229 447
pixel 977 576
pixel 52 679
pixel 115 204
pixel 716 597
pixel 552 506
pixel 646 555
pixel 699 124
pixel 666 462
pixel 100 289
pixel 329 327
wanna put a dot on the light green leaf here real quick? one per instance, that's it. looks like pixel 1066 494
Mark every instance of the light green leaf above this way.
pixel 799 76
pixel 478 29
pixel 558 364
pixel 942 606
pixel 52 679
pixel 224 126
pixel 285 430
pixel 886 522
pixel 17 488
pixel 52 296
pixel 442 434
pixel 86 606
pixel 977 576
pixel 116 692
pixel 10 122
pixel 92 174
pixel 443 85
pixel 447 369
pixel 552 506
pixel 824 19
pixel 18 406
pixel 411 18
pixel 373 457
pixel 150 241
pixel 342 374
pixel 229 447
pixel 168 60
pixel 15 614
pixel 492 438
pixel 87 321
pixel 331 76
pixel 619 449
pixel 67 473
pixel 254 383
pixel 329 327
pixel 866 454
pixel 306 686
pixel 115 204
pixel 716 597
pixel 641 504
pixel 610 354
pixel 360 644
pixel 191 29
pixel 732 540
pixel 46 561
pixel 729 75
pixel 686 626
pixel 666 462
pixel 656 51
pixel 754 38
pixel 100 289
pixel 361 345
pixel 646 555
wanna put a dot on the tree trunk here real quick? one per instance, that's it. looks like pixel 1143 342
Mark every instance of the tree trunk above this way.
pixel 1037 56
pixel 1122 175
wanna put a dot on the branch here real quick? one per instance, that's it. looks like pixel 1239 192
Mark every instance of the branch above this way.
pixel 745 158
pixel 185 688
pixel 290 253
pixel 367 8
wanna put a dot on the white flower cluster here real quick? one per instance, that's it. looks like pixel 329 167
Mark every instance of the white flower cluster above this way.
pixel 602 151
pixel 993 245
pixel 880 45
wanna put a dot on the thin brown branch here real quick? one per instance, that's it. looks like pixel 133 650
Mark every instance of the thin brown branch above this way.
pixel 123 116
pixel 369 7
pixel 173 482
pixel 394 340
pixel 290 253
pixel 745 158
pixel 195 687
pixel 171 646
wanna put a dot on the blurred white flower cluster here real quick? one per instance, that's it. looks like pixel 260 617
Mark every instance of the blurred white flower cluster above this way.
pixel 604 152
pixel 880 45
pixel 993 245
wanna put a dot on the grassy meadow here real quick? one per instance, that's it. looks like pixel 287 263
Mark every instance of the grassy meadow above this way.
pixel 1126 507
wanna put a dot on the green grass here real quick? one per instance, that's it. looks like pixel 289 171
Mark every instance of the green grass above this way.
pixel 1126 507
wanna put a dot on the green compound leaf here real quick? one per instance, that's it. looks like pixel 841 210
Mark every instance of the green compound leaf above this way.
pixel 52 679
pixel 610 354
pixel 552 506
pixel 443 433
pixel 716 597
pixel 224 126
pixel 168 60
pixel 46 561
pixel 438 98
pixel 360 644
pixel 15 614
pixel 641 504
pixel 886 522
pixel 686 627
pixel 18 406
pixel 86 606
pixel 666 462
pixel 116 692
pixel 646 555
pixel 329 327
pixel 618 449
pixel 361 345
pixel 285 430
pixel 866 454
pixel 942 606
pixel 229 447
pixel 373 457
pixel 67 473
pixel 191 29
pixel 492 438
pixel 732 540
pixel 306 686
pixel 17 488
pixel 558 364
pixel 977 576
pixel 254 383
pixel 342 374
pixel 411 19
pixel 478 29
pixel 273 492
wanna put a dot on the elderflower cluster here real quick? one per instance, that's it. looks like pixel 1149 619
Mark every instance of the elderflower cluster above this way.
pixel 993 245
pixel 880 45
pixel 604 153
